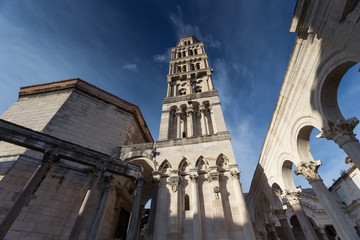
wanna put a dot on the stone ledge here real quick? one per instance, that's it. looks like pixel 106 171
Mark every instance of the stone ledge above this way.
pixel 191 96
pixel 220 136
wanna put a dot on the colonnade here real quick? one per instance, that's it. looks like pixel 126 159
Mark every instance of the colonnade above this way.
pixel 191 121
pixel 189 85
pixel 195 178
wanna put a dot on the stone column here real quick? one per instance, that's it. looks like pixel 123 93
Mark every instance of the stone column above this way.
pixel 293 199
pixel 178 125
pixel 270 229
pixel 213 123
pixel 168 90
pixel 190 127
pixel 197 231
pixel 79 221
pixel 49 158
pixel 203 121
pixel 174 222
pixel 100 213
pixel 281 216
pixel 219 214
pixel 323 233
pixel 244 214
pixel 341 224
pixel 154 196
pixel 341 132
pixel 135 212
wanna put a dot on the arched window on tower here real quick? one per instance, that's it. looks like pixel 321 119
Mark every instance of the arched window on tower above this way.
pixel 179 55
pixel 182 92
pixel 183 54
pixel 179 69
pixel 172 131
pixel 189 42
pixel 195 52
pixel 186 202
pixel 198 66
pixel 191 52
pixel 192 67
pixel 197 89
pixel 184 68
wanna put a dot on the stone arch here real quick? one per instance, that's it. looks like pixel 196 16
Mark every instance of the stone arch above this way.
pixel 330 74
pixel 184 166
pixel 165 167
pixel 287 177
pixel 276 195
pixel 222 162
pixel 202 164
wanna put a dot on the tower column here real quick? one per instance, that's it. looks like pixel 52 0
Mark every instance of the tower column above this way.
pixel 203 121
pixel 197 231
pixel 219 214
pixel 178 125
pixel 190 127
pixel 174 221
pixel 213 123
pixel 244 214
pixel 341 224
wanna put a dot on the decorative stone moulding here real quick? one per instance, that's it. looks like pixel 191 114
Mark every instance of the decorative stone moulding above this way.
pixel 309 170
pixel 340 132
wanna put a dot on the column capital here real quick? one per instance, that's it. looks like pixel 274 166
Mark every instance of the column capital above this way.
pixel 280 214
pixel 340 132
pixel 292 197
pixel 174 181
pixel 193 177
pixel 309 170
pixel 235 173
pixel 213 176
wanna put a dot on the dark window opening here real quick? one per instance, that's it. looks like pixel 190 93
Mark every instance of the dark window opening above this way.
pixel 187 203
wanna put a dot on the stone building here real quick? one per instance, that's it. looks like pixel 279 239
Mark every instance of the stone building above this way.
pixel 327 45
pixel 80 163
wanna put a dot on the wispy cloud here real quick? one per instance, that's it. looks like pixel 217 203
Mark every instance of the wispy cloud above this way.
pixel 130 67
pixel 163 58
pixel 184 29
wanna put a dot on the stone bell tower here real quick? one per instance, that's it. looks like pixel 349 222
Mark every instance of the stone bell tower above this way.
pixel 199 195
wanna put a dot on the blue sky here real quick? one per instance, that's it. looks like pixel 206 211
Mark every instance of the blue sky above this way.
pixel 123 47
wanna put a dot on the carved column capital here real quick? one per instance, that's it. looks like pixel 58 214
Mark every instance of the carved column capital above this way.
pixel 174 181
pixel 280 214
pixel 340 132
pixel 292 197
pixel 235 173
pixel 309 170
pixel 213 176
pixel 194 177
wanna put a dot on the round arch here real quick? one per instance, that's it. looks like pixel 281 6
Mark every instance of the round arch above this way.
pixel 330 74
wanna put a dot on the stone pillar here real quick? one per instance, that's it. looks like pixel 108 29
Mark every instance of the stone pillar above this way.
pixel 178 125
pixel 323 233
pixel 135 212
pixel 168 90
pixel 190 127
pixel 48 159
pixel 244 214
pixel 281 216
pixel 213 123
pixel 341 132
pixel 293 199
pixel 100 213
pixel 174 222
pixel 219 214
pixel 270 229
pixel 154 197
pixel 341 224
pixel 203 122
pixel 197 229
pixel 79 221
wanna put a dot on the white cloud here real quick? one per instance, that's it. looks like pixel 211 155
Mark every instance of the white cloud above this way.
pixel 163 58
pixel 183 29
pixel 130 67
